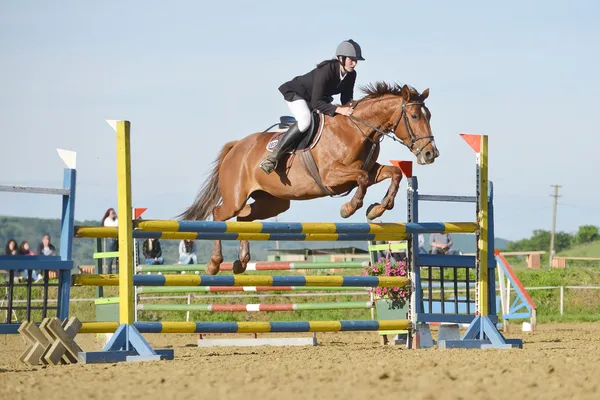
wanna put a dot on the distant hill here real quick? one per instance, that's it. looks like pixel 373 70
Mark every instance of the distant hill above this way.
pixel 591 249
pixel 33 229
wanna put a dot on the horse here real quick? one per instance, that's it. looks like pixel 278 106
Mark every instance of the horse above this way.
pixel 344 158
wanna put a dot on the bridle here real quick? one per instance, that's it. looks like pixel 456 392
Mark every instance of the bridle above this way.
pixel 314 170
pixel 392 134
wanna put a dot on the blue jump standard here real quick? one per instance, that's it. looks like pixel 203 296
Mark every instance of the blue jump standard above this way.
pixel 127 344
pixel 481 334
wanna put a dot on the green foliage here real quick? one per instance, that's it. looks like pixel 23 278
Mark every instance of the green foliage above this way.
pixel 540 240
pixel 587 234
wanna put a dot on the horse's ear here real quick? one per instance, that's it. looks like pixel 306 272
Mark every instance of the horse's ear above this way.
pixel 425 94
pixel 405 93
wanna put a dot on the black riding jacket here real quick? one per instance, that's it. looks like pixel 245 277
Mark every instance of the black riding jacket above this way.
pixel 318 85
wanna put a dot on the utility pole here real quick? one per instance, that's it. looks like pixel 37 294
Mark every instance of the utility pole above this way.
pixel 556 196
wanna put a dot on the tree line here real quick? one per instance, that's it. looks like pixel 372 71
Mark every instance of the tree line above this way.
pixel 540 239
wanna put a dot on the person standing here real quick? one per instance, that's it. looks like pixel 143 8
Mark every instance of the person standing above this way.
pixel 110 219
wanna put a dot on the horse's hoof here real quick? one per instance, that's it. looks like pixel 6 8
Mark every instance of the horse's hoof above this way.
pixel 375 210
pixel 212 269
pixel 238 267
pixel 344 211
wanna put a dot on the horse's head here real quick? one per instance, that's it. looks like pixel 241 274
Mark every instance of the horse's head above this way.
pixel 411 125
pixel 407 117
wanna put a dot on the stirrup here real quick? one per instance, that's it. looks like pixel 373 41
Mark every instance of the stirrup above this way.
pixel 268 165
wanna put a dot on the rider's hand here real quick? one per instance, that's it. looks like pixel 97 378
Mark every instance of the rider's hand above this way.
pixel 347 111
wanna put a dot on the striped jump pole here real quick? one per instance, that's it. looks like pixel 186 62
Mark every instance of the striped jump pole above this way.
pixel 287 228
pixel 249 289
pixel 244 280
pixel 250 327
pixel 349 305
pixel 110 232
pixel 258 266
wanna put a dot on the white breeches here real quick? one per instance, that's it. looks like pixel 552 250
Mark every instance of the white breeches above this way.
pixel 300 111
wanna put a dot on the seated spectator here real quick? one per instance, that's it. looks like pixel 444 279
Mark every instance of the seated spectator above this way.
pixel 12 248
pixel 422 249
pixel 46 248
pixel 24 250
pixel 152 252
pixel 187 252
pixel 441 243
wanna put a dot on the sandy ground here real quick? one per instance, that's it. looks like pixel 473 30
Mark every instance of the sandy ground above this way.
pixel 559 361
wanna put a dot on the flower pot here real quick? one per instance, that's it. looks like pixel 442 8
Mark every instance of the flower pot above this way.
pixel 385 310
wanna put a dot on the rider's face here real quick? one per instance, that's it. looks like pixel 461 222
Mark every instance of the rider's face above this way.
pixel 350 64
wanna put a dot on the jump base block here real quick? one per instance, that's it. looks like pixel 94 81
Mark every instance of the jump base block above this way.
pixel 126 345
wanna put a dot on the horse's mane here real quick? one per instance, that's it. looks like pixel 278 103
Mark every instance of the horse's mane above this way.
pixel 380 88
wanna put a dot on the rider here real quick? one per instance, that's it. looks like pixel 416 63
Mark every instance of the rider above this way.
pixel 313 91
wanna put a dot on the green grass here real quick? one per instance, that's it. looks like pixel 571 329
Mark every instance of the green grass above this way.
pixel 584 250
pixel 579 305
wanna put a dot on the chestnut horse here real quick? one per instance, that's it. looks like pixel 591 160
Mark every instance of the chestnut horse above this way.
pixel 345 157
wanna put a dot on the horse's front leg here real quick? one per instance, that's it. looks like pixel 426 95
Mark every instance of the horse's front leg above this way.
pixel 377 174
pixel 340 174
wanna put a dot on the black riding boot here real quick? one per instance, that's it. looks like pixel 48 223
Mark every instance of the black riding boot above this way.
pixel 292 136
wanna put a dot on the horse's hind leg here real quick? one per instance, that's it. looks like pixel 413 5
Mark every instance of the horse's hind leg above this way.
pixel 264 206
pixel 214 264
pixel 377 174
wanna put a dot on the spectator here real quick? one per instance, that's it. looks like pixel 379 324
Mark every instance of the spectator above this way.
pixel 441 243
pixel 422 249
pixel 46 248
pixel 12 248
pixel 152 252
pixel 24 250
pixel 110 219
pixel 187 252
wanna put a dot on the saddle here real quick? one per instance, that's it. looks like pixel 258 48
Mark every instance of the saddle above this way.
pixel 310 139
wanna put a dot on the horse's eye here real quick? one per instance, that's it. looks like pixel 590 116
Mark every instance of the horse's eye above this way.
pixel 414 116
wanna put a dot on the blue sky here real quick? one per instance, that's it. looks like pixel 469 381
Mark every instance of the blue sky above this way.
pixel 192 75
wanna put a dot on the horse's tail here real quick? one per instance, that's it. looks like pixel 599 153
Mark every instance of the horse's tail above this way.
pixel 209 195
